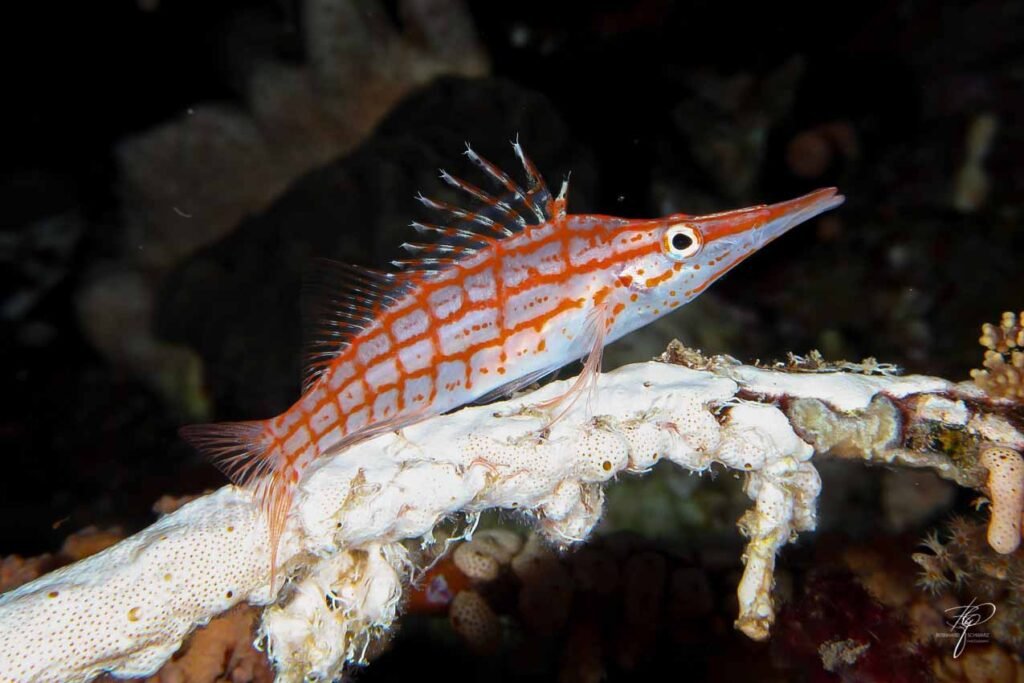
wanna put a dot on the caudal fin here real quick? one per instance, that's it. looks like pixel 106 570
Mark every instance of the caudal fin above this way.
pixel 246 453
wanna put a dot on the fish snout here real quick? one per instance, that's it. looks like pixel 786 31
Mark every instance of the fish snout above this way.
pixel 766 222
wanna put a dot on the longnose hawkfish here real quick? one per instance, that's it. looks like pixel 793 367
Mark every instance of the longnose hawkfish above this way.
pixel 497 297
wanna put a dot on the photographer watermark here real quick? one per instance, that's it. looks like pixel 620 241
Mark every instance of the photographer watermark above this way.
pixel 963 620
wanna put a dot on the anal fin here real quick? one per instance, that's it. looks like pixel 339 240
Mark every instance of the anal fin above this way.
pixel 244 452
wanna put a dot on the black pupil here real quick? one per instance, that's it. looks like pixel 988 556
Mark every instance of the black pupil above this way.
pixel 681 241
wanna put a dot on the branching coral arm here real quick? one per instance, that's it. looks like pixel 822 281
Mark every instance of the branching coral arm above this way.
pixel 128 609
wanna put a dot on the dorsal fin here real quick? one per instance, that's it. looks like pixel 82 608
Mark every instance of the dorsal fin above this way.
pixel 339 302
pixel 537 195
pixel 463 231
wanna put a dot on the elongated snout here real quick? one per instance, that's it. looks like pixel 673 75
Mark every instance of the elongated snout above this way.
pixel 768 221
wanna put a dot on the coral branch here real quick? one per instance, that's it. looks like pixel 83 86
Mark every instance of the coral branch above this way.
pixel 127 609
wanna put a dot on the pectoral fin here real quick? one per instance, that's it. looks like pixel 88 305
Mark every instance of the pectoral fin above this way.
pixel 594 331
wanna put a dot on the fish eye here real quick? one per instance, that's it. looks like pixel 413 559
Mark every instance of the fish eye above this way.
pixel 681 241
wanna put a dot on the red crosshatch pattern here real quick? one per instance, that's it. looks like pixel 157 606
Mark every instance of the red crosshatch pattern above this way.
pixel 502 296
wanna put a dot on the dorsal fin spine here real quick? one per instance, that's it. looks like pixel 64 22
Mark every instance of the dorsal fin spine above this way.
pixel 346 300
pixel 453 232
pixel 470 216
pixel 502 178
pixel 428 261
pixel 537 185
pixel 436 248
pixel 496 173
pixel 352 297
pixel 485 198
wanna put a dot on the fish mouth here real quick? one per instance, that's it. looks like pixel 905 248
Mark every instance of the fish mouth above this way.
pixel 786 215
pixel 762 224
pixel 732 236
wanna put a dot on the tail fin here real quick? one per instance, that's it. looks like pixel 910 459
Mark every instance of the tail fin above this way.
pixel 245 452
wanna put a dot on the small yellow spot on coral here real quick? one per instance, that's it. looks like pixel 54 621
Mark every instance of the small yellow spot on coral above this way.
pixel 133 614
pixel 52 594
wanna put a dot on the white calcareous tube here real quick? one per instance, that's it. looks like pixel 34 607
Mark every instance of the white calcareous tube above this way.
pixel 128 609
pixel 1006 486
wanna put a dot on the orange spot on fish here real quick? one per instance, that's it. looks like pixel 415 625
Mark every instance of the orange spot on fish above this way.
pixel 542 345
pixel 501 370
pixel 655 281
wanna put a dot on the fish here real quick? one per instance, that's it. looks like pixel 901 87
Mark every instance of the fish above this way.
pixel 501 291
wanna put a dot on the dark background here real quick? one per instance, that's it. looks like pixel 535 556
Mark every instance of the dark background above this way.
pixel 655 106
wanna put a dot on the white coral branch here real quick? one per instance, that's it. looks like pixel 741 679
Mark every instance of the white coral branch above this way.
pixel 129 608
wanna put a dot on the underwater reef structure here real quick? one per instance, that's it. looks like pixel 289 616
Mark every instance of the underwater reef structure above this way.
pixel 344 567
